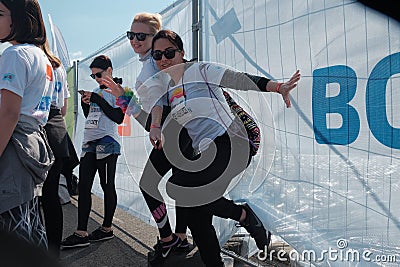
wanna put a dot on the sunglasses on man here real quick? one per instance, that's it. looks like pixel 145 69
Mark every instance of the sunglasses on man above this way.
pixel 97 74
pixel 169 53
pixel 140 36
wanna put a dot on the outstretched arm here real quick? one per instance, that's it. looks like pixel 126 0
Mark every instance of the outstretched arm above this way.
pixel 284 88
pixel 244 81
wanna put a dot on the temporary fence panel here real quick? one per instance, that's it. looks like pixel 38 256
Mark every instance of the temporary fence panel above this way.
pixel 328 173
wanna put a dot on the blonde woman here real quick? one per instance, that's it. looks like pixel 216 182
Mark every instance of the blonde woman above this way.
pixel 143 28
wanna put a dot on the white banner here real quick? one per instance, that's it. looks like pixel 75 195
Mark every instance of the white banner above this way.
pixel 59 47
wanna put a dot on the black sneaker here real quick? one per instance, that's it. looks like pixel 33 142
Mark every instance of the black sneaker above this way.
pixel 100 235
pixel 184 246
pixel 74 241
pixel 163 249
pixel 255 228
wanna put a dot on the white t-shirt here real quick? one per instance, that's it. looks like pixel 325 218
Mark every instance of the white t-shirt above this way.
pixel 26 71
pixel 202 110
pixel 97 124
pixel 150 83
pixel 60 85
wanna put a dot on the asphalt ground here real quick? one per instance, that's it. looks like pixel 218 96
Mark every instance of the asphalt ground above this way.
pixel 133 240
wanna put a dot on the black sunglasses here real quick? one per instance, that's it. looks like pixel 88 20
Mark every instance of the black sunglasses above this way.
pixel 97 74
pixel 169 53
pixel 140 36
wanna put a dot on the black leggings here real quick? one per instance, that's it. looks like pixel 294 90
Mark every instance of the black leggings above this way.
pixel 52 210
pixel 200 193
pixel 58 139
pixel 156 167
pixel 87 171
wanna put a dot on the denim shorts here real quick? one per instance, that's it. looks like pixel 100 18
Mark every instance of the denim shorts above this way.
pixel 102 147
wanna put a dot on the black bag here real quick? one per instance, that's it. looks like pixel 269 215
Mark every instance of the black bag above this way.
pixel 165 113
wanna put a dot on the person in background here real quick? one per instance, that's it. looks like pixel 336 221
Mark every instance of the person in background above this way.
pixel 57 135
pixel 100 151
pixel 25 97
pixel 221 144
pixel 143 28
pixel 68 168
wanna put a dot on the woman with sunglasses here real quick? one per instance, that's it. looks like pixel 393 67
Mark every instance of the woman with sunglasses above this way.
pixel 222 146
pixel 143 28
pixel 100 151
pixel 25 96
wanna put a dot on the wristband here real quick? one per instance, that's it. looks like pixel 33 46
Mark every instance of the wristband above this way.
pixel 154 126
pixel 278 87
pixel 123 100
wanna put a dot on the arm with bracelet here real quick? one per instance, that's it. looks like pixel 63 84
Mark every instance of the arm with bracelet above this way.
pixel 128 102
pixel 244 81
pixel 155 126
pixel 126 98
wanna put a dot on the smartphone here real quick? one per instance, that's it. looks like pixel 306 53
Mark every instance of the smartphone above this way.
pixel 81 92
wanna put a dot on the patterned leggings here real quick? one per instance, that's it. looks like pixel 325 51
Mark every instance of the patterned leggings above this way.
pixel 24 221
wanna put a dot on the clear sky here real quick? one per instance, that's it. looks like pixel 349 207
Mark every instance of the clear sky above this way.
pixel 88 25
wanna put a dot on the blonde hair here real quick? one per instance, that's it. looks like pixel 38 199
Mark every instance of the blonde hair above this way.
pixel 153 20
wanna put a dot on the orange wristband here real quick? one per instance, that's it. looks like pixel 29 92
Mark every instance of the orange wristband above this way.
pixel 278 87
pixel 154 126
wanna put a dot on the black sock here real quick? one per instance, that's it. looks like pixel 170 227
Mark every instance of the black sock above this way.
pixel 173 242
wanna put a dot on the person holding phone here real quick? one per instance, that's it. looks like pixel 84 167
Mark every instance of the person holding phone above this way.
pixel 100 150
pixel 57 135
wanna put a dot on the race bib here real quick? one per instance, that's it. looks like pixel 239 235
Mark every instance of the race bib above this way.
pixel 181 113
pixel 92 120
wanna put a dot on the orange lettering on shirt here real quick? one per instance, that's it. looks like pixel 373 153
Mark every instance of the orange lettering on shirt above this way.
pixel 49 73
